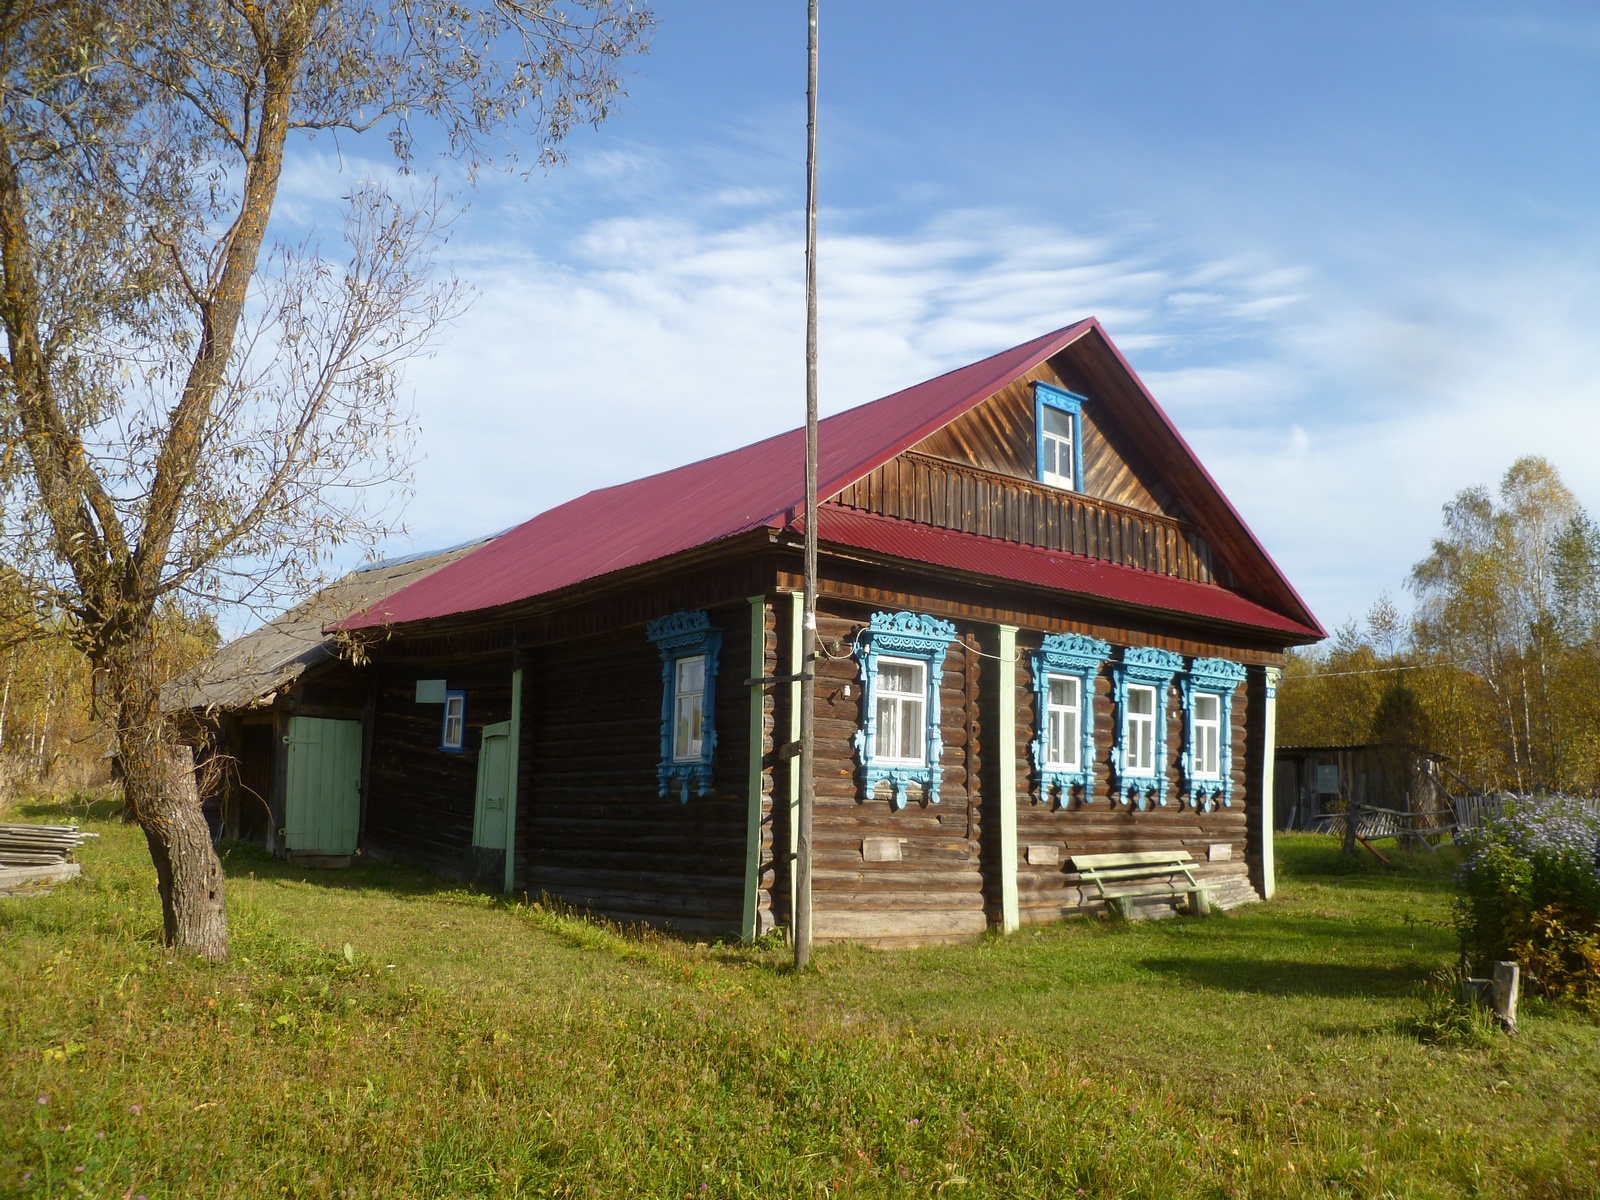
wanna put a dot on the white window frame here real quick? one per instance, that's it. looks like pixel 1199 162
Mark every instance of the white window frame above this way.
pixel 1218 678
pixel 1200 726
pixel 1129 718
pixel 1069 405
pixel 1074 742
pixel 918 697
pixel 455 712
pixel 1050 448
pixel 696 694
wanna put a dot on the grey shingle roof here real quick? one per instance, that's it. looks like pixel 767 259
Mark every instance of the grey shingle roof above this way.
pixel 250 670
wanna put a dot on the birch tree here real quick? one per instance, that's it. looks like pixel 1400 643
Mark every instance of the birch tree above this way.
pixel 193 407
pixel 1489 600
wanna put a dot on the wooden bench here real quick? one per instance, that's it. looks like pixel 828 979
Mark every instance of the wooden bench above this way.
pixel 1142 874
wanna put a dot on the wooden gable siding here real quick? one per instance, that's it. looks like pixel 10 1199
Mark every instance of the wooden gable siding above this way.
pixel 999 436
pixel 950 495
pixel 420 799
pixel 593 831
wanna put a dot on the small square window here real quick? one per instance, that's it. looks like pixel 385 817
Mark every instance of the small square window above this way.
pixel 455 721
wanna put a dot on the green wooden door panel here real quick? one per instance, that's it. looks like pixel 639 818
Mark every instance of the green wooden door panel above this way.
pixel 322 801
pixel 494 786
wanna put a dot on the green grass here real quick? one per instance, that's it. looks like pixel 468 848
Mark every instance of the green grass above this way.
pixel 469 1047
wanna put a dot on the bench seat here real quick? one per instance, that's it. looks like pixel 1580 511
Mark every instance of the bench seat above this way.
pixel 1144 874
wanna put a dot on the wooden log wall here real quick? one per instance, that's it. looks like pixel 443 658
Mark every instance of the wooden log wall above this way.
pixel 420 799
pixel 936 891
pixel 918 487
pixel 947 883
pixel 1049 890
pixel 336 691
pixel 593 830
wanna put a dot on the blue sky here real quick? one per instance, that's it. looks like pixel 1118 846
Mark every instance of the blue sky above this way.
pixel 1354 250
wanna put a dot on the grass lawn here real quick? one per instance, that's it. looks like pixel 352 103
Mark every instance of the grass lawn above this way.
pixel 464 1046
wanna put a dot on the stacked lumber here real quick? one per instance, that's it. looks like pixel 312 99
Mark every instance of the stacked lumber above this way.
pixel 39 845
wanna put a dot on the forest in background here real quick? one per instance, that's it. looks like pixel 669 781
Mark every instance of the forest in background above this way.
pixel 56 734
pixel 1497 667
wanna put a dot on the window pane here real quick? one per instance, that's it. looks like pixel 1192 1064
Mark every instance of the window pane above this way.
pixel 911 729
pixel 1058 423
pixel 888 736
pixel 903 678
pixel 1063 738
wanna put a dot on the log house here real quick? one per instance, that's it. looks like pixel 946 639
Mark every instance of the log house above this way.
pixel 1044 631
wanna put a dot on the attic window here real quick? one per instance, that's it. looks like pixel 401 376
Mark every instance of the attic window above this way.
pixel 1058 428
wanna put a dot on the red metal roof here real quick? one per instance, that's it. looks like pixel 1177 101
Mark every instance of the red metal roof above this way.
pixel 1047 568
pixel 755 486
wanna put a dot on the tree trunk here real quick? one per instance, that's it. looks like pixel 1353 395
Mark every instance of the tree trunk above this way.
pixel 161 794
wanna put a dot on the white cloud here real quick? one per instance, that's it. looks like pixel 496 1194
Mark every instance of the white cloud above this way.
pixel 602 348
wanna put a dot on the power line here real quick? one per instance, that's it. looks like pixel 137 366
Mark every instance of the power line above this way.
pixel 1375 671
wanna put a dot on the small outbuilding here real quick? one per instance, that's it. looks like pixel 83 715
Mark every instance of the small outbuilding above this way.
pixel 260 710
pixel 1402 788
pixel 1045 633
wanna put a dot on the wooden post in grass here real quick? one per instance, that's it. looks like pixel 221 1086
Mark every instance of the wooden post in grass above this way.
pixel 808 685
pixel 1503 994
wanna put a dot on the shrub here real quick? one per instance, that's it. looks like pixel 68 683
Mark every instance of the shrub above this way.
pixel 1529 889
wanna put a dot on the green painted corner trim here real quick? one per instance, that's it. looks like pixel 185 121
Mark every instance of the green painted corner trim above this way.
pixel 797 606
pixel 1269 757
pixel 1006 675
pixel 514 754
pixel 757 755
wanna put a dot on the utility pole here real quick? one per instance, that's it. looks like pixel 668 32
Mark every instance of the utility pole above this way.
pixel 808 626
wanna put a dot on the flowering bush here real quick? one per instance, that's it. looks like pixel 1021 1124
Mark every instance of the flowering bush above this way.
pixel 1529 889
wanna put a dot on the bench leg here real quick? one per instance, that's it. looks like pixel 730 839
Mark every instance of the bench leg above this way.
pixel 1200 902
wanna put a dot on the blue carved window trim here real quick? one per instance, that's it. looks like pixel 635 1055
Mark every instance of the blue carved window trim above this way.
pixel 1152 667
pixel 1070 654
pixel 1047 396
pixel 902 635
pixel 1219 677
pixel 458 701
pixel 679 636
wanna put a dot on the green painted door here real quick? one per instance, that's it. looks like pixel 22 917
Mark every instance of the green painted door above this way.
pixel 494 787
pixel 322 798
